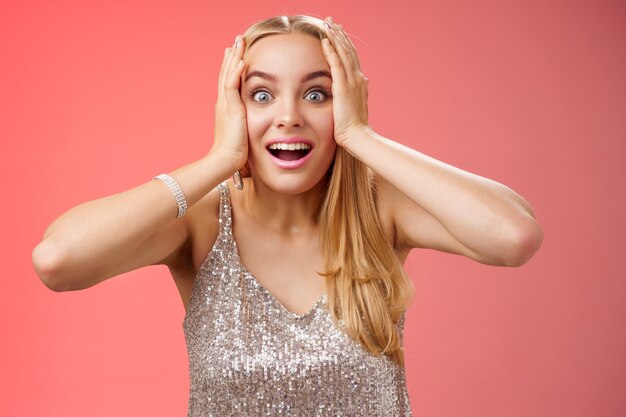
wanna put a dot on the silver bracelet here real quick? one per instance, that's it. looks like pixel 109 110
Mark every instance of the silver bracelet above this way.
pixel 176 190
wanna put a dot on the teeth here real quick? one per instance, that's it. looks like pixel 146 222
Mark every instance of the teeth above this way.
pixel 289 146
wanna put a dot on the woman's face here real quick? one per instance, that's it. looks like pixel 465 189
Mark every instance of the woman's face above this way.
pixel 286 91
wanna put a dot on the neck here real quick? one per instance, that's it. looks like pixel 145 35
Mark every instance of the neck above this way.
pixel 284 213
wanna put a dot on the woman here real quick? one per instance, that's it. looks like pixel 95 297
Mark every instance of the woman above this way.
pixel 293 285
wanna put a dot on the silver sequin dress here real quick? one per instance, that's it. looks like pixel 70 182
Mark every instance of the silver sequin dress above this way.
pixel 250 356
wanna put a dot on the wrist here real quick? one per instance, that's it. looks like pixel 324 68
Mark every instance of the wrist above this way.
pixel 228 162
pixel 355 135
pixel 224 162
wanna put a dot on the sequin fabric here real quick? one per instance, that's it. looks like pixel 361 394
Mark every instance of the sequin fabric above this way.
pixel 250 356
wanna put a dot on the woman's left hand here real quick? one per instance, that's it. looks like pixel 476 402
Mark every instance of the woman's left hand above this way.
pixel 349 87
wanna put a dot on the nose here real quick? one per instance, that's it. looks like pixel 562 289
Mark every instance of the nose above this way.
pixel 288 114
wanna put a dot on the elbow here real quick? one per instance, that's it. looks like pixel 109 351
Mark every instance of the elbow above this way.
pixel 525 243
pixel 48 263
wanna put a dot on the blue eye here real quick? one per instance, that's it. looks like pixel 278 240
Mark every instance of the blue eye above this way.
pixel 258 94
pixel 321 94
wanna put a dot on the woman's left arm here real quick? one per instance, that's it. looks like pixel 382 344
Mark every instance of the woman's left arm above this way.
pixel 442 207
pixel 431 204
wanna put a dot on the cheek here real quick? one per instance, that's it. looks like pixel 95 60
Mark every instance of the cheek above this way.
pixel 325 124
pixel 257 123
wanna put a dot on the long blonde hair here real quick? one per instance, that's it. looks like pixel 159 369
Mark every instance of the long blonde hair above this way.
pixel 368 291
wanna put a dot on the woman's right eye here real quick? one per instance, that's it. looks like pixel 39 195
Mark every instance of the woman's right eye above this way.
pixel 260 96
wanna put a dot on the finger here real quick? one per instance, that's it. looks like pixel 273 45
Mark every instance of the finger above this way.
pixel 235 53
pixel 234 78
pixel 233 81
pixel 227 65
pixel 336 68
pixel 340 48
pixel 220 82
pixel 330 47
pixel 335 39
pixel 349 47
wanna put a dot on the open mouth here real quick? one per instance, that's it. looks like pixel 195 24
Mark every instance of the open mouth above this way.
pixel 289 151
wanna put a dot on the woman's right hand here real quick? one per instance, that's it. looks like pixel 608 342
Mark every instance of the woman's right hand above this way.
pixel 231 129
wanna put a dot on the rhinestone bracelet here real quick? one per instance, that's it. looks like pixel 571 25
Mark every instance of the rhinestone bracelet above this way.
pixel 176 190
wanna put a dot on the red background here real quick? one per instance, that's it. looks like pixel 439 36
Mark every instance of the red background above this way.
pixel 97 97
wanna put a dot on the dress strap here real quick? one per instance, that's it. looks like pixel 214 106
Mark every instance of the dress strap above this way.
pixel 226 218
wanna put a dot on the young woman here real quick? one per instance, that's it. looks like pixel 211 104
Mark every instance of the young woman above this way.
pixel 291 274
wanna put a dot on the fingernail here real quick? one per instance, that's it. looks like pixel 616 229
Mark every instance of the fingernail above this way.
pixel 326 25
pixel 330 19
pixel 237 42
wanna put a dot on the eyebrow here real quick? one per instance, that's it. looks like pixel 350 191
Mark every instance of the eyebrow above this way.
pixel 270 77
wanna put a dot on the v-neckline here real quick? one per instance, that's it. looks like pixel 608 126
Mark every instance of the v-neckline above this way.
pixel 246 272
pixel 275 300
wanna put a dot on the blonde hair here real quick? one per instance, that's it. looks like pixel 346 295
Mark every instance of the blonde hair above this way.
pixel 368 291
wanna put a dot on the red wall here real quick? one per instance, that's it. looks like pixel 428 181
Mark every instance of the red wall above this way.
pixel 97 97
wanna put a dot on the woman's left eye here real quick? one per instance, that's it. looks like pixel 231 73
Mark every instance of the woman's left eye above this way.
pixel 318 95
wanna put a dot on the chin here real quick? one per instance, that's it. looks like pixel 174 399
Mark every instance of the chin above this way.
pixel 292 182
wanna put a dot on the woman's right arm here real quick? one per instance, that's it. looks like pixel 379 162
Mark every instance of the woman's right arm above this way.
pixel 112 235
